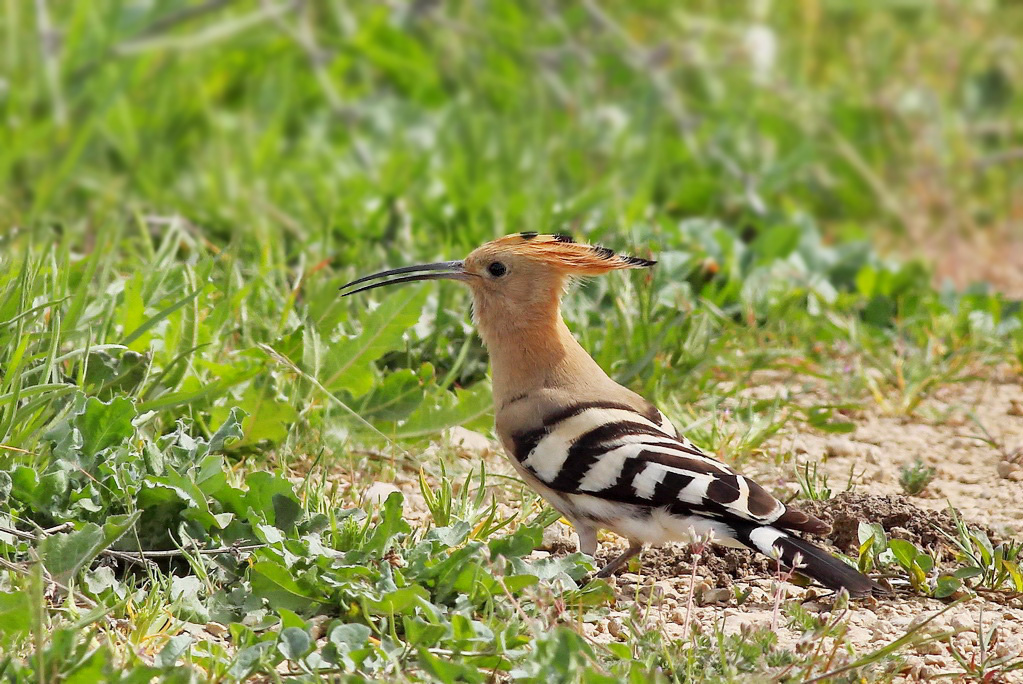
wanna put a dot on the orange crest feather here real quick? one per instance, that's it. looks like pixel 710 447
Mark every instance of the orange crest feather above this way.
pixel 561 251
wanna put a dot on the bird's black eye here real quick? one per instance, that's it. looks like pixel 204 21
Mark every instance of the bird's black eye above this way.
pixel 497 269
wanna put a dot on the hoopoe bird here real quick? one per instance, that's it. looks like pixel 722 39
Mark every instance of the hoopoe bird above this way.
pixel 603 456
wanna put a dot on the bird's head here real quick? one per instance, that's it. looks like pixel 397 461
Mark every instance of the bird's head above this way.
pixel 514 279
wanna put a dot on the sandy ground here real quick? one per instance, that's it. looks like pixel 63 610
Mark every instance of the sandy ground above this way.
pixel 971 475
pixel 977 478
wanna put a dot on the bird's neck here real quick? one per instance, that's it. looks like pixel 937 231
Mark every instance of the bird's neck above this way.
pixel 527 356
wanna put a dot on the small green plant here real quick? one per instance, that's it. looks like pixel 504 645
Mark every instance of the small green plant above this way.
pixel 915 562
pixel 984 665
pixel 915 478
pixel 813 485
pixel 736 435
pixel 995 568
pixel 448 508
pixel 877 551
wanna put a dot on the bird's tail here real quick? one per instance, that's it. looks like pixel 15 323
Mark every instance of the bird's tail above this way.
pixel 813 561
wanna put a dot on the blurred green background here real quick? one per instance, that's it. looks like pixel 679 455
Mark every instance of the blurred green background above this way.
pixel 333 128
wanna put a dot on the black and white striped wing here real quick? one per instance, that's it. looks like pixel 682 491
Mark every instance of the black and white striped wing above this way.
pixel 596 455
pixel 616 453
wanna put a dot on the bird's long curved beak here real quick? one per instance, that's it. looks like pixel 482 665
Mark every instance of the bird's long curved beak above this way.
pixel 452 270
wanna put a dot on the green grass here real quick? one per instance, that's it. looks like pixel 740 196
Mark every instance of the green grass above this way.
pixel 183 187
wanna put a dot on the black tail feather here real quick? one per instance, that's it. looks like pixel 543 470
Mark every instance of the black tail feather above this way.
pixel 819 565
pixel 814 562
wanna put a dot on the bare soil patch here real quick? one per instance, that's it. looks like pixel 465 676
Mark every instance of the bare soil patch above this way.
pixel 900 519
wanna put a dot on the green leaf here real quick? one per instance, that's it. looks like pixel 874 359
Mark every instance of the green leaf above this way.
pixel 391 524
pixel 516 583
pixel 395 397
pixel 6 486
pixel 290 619
pixel 518 544
pixel 268 534
pixel 105 424
pixel 149 323
pixel 246 661
pixel 347 365
pixel 450 536
pixel 15 613
pixel 419 632
pixel 349 637
pixel 273 497
pixel 294 643
pixel 946 586
pixel 968 572
pixel 873 539
pixel 267 418
pixel 230 428
pixel 620 650
pixel 173 650
pixel 924 561
pixel 89 670
pixel 448 671
pixel 866 280
pixel 133 308
pixel 398 601
pixel 776 242
pixel 153 458
pixel 275 583
pixel 185 595
pixel 904 552
pixel 65 554
pixel 442 410
pixel 1012 569
pixel 194 390
pixel 987 552
pixel 49 496
pixel 595 593
pixel 287 511
pixel 101 579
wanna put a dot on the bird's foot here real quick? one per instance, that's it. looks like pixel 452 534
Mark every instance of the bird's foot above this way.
pixel 618 562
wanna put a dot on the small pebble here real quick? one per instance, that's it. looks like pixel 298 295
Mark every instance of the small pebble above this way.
pixel 929 648
pixel 378 492
pixel 839 447
pixel 715 597
pixel 216 629
pixel 1009 647
pixel 468 440
pixel 960 622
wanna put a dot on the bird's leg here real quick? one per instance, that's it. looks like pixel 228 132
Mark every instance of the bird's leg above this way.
pixel 587 537
pixel 634 548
